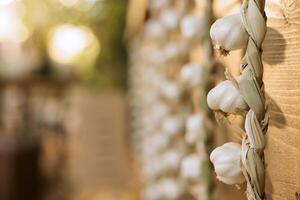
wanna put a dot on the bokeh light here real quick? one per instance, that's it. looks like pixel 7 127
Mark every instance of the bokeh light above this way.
pixel 12 27
pixel 5 2
pixel 73 45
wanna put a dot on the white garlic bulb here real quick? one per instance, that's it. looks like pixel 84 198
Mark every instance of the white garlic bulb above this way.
pixel 172 188
pixel 171 90
pixel 191 74
pixel 152 55
pixel 170 19
pixel 171 159
pixel 172 125
pixel 152 192
pixel 191 27
pixel 194 128
pixel 171 51
pixel 153 167
pixel 226 97
pixel 229 33
pixel 159 4
pixel 155 30
pixel 191 167
pixel 227 163
pixel 155 143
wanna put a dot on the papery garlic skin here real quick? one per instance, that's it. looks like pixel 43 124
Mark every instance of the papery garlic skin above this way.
pixel 226 97
pixel 191 167
pixel 191 74
pixel 227 163
pixel 229 33
pixel 195 129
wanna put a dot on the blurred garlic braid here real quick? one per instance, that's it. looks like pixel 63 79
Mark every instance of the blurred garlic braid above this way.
pixel 207 64
pixel 252 89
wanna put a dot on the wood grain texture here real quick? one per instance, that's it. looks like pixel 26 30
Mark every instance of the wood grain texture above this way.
pixel 281 58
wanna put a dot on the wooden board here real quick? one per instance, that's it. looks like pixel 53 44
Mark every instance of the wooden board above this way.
pixel 282 83
pixel 98 141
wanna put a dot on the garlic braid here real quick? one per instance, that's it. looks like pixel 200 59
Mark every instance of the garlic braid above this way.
pixel 252 89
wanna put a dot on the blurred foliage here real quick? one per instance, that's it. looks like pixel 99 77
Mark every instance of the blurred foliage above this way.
pixel 106 18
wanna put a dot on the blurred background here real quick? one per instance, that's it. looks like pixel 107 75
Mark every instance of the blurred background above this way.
pixel 63 111
pixel 73 116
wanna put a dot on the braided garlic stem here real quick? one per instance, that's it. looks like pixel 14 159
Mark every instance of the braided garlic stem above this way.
pixel 252 89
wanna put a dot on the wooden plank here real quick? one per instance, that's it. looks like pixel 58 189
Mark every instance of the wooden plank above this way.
pixel 282 80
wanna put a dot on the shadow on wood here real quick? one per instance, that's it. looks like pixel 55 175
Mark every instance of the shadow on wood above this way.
pixel 274 51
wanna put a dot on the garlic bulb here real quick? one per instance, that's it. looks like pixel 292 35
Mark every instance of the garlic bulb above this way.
pixel 152 192
pixel 170 19
pixel 152 55
pixel 227 163
pixel 171 51
pixel 170 90
pixel 191 27
pixel 191 74
pixel 226 97
pixel 191 167
pixel 155 30
pixel 167 189
pixel 159 4
pixel 155 143
pixel 171 159
pixel 194 128
pixel 153 167
pixel 172 188
pixel 172 125
pixel 229 33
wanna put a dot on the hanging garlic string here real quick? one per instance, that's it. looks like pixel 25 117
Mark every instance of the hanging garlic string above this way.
pixel 252 90
pixel 248 88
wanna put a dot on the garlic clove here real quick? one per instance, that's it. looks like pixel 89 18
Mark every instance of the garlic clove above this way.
pixel 229 33
pixel 226 97
pixel 227 163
